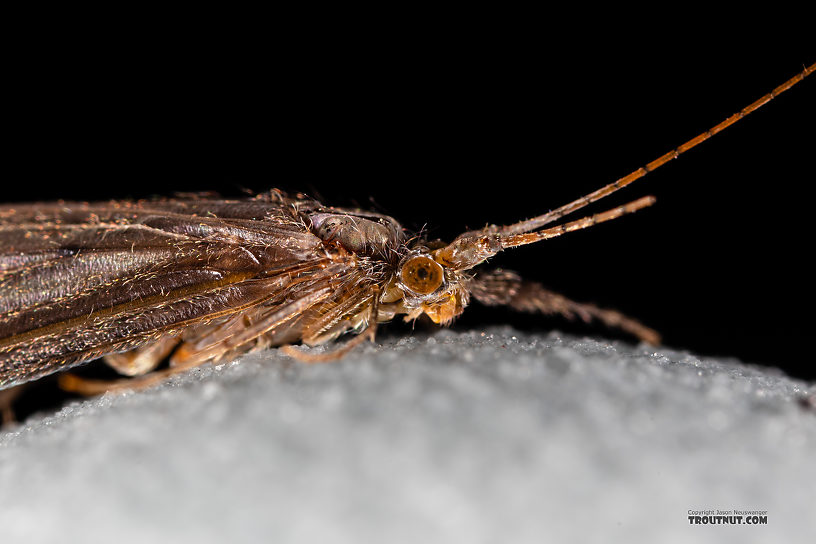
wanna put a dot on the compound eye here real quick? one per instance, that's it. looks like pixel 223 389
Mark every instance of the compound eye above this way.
pixel 421 274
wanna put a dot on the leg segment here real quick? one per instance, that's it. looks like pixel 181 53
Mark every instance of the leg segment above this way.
pixel 233 337
pixel 369 333
pixel 7 398
pixel 142 359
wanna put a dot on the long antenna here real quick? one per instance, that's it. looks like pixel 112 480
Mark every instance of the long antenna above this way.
pixel 549 217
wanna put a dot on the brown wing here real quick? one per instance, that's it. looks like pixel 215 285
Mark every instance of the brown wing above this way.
pixel 79 280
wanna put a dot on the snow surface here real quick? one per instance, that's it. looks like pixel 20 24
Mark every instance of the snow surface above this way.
pixel 482 436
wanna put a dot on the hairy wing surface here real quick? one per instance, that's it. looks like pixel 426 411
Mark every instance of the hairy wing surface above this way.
pixel 79 280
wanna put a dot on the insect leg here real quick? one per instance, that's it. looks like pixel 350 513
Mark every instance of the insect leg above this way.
pixel 506 288
pixel 143 359
pixel 88 387
pixel 191 354
pixel 7 398
pixel 136 362
pixel 368 333
pixel 273 321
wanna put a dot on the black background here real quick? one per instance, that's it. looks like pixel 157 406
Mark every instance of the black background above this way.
pixel 458 131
